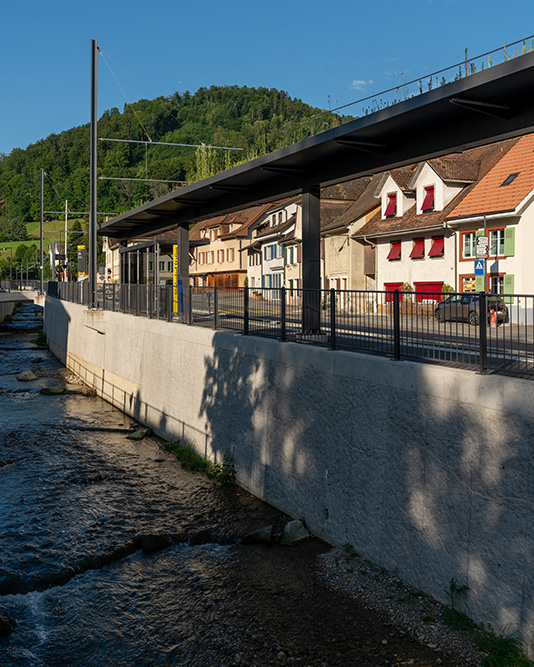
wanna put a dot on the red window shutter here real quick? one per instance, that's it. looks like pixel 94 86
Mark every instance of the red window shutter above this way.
pixel 299 254
pixel 322 248
pixel 395 251
pixel 418 249
pixel 437 246
pixel 429 290
pixel 391 208
pixel 428 204
pixel 391 287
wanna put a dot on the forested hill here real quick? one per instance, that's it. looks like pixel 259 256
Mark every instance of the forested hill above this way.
pixel 255 119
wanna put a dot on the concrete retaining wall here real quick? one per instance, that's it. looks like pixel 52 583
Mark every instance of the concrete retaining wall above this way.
pixel 426 470
pixel 6 309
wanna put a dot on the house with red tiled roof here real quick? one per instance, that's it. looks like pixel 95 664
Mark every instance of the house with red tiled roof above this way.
pixel 415 244
pixel 347 263
pixel 500 206
pixel 218 259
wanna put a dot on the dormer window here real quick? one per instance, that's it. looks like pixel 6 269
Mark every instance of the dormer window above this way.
pixel 428 203
pixel 391 208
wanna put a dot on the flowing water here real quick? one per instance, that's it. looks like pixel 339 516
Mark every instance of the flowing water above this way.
pixel 112 554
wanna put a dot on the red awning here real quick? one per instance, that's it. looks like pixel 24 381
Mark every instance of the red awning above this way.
pixel 395 251
pixel 437 247
pixel 391 208
pixel 428 204
pixel 418 249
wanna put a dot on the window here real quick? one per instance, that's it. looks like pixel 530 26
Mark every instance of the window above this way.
pixel 169 266
pixel 395 251
pixel 280 218
pixel 438 247
pixel 201 258
pixel 220 256
pixel 418 250
pixel 509 179
pixel 210 256
pixel 391 208
pixel 428 203
pixel 162 266
pixel 496 242
pixel 230 255
pixel 150 266
pixel 496 284
pixel 212 234
pixel 470 244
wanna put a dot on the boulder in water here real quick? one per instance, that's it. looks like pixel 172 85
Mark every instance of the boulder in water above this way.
pixel 27 376
pixel 262 536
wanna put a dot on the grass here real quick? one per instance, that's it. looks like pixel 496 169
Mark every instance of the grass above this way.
pixel 223 473
pixel 503 651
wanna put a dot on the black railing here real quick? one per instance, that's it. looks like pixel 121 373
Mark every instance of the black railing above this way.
pixel 436 327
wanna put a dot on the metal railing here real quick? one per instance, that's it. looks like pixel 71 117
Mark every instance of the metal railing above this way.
pixel 435 327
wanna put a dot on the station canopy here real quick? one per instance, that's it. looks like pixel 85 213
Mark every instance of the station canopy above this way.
pixel 492 105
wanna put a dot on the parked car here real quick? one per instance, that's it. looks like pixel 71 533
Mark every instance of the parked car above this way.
pixel 466 307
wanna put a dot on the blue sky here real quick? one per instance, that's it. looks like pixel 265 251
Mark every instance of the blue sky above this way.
pixel 325 54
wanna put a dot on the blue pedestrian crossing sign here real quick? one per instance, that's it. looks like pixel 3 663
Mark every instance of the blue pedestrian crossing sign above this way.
pixel 479 267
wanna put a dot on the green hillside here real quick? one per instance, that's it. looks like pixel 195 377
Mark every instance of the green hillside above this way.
pixel 257 120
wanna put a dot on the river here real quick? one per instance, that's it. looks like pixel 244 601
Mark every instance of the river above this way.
pixel 113 554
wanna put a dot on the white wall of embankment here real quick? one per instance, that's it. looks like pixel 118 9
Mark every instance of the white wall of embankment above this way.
pixel 426 470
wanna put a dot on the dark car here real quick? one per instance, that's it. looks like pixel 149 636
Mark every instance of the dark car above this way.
pixel 466 307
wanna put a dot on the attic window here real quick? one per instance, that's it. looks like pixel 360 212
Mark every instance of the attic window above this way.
pixel 391 208
pixel 509 179
pixel 428 204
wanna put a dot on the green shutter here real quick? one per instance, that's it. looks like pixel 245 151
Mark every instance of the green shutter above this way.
pixel 285 256
pixel 479 283
pixel 480 232
pixel 509 243
pixel 508 286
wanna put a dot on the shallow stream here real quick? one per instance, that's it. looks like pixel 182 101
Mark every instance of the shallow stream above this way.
pixel 81 511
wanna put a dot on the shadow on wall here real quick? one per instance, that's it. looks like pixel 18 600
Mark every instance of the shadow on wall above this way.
pixel 56 325
pixel 367 453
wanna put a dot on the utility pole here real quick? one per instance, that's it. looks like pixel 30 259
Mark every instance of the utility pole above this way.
pixel 41 219
pixel 93 176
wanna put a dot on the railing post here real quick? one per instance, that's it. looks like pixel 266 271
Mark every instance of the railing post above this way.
pixel 396 325
pixel 282 314
pixel 245 310
pixel 137 299
pixel 483 324
pixel 215 307
pixel 332 319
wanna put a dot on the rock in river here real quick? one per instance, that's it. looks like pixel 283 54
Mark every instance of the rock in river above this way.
pixel 27 376
pixel 295 532
pixel 5 626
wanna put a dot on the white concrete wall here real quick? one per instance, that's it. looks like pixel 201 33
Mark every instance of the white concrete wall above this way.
pixel 426 470
pixel 408 270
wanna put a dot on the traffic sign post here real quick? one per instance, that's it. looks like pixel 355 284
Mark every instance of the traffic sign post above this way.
pixel 482 247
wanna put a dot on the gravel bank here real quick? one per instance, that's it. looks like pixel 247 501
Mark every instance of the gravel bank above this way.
pixel 408 610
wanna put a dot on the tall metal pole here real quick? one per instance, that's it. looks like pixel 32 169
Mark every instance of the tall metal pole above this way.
pixel 93 203
pixel 65 256
pixel 41 219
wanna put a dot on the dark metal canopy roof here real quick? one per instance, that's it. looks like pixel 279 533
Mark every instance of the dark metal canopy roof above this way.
pixel 495 104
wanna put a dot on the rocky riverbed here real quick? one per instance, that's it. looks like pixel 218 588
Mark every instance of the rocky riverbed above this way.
pixel 113 554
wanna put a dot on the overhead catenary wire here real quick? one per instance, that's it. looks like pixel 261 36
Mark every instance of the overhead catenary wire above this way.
pixel 167 143
pixel 125 96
